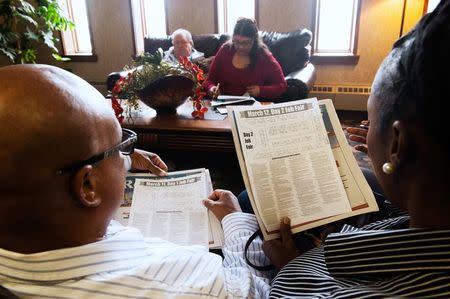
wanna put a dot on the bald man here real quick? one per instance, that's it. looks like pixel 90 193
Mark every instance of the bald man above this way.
pixel 63 158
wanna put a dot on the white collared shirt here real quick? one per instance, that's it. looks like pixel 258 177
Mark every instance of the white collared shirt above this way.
pixel 170 57
pixel 126 265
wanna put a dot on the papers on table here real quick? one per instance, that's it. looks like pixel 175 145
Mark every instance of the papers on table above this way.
pixel 226 100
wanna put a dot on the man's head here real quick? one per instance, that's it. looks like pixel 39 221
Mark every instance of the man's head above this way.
pixel 409 105
pixel 182 43
pixel 52 119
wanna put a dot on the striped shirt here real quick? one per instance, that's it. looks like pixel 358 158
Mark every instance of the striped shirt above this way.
pixel 383 259
pixel 126 265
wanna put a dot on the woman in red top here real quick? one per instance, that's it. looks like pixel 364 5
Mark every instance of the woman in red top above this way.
pixel 245 65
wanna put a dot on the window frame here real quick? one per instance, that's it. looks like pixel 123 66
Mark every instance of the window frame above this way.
pixel 82 57
pixel 350 58
pixel 138 39
pixel 216 16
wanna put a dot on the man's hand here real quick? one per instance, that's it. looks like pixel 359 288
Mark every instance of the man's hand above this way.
pixel 253 90
pixel 146 161
pixel 359 135
pixel 222 203
pixel 281 252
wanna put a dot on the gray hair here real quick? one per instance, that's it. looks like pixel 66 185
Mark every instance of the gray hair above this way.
pixel 184 33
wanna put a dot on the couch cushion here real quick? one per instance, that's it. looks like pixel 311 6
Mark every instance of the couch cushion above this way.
pixel 209 43
pixel 151 44
pixel 291 49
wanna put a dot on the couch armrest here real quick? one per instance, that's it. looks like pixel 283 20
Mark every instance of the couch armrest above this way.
pixel 307 75
pixel 299 83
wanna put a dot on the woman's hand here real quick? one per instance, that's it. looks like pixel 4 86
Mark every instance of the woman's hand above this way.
pixel 222 203
pixel 359 134
pixel 146 161
pixel 281 251
pixel 214 91
pixel 253 90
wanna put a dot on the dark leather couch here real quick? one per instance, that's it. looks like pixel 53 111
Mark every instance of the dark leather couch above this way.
pixel 291 49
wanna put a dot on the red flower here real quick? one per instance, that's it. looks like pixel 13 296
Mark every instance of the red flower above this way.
pixel 198 93
pixel 118 110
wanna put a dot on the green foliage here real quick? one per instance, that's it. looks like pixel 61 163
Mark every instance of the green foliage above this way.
pixel 142 71
pixel 23 25
pixel 147 68
pixel 147 58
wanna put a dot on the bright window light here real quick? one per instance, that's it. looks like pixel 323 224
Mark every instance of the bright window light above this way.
pixel 78 40
pixel 228 11
pixel 149 19
pixel 432 5
pixel 335 26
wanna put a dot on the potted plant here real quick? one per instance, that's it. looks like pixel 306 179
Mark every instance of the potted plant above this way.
pixel 161 85
pixel 25 24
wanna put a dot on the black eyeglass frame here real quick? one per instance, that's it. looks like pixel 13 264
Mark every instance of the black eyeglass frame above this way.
pixel 130 140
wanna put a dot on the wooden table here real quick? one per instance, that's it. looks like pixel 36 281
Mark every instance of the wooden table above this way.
pixel 181 131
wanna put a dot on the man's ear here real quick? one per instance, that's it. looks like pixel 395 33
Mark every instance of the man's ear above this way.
pixel 85 186
pixel 400 148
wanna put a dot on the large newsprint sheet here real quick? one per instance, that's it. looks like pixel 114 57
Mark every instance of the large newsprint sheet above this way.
pixel 290 169
pixel 170 207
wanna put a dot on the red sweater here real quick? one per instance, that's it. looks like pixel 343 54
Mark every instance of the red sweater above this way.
pixel 267 74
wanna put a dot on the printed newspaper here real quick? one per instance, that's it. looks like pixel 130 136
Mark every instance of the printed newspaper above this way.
pixel 296 162
pixel 170 207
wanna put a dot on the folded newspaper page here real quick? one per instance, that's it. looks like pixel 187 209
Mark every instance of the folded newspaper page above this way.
pixel 296 162
pixel 170 207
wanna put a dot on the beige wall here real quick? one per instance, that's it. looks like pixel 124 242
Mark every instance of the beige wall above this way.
pixel 380 22
pixel 112 34
pixel 197 16
pixel 285 15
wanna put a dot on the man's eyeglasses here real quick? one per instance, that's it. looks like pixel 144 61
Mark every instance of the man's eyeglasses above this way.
pixel 126 147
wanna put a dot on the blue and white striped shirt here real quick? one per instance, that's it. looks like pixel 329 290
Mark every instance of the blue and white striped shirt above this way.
pixel 126 265
pixel 383 259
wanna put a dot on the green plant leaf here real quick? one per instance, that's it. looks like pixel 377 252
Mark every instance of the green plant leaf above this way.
pixel 23 23
pixel 59 57
pixel 10 53
pixel 31 35
pixel 7 37
pixel 48 39
pixel 25 18
pixel 27 7
pixel 28 56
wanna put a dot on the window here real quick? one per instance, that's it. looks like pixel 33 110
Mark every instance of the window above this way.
pixel 76 42
pixel 228 11
pixel 431 5
pixel 335 30
pixel 149 18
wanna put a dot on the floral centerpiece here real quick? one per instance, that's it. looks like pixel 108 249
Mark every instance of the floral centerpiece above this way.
pixel 148 70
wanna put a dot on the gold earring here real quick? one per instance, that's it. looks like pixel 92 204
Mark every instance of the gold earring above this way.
pixel 388 168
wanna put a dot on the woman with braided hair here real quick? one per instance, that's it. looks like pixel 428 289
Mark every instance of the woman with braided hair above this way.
pixel 406 256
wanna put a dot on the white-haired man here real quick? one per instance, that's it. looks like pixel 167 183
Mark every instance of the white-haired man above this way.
pixel 183 45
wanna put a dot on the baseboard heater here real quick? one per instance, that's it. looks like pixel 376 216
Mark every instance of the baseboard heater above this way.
pixel 345 97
